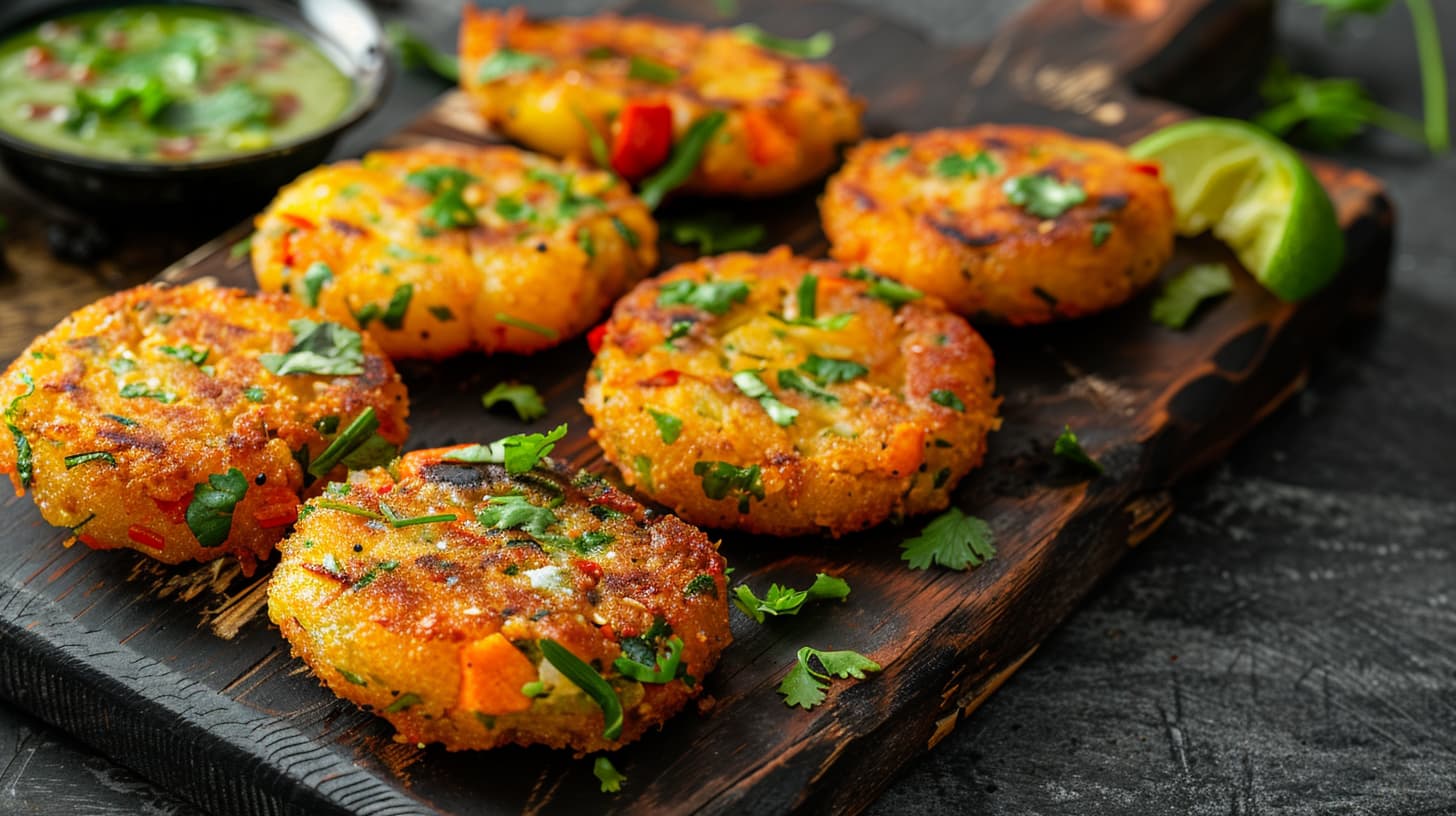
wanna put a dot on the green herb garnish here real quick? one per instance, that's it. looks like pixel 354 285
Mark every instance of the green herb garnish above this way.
pixel 941 396
pixel 1184 292
pixel 651 71
pixel 505 62
pixel 314 278
pixel 977 166
pixel 782 600
pixel 804 686
pixel 953 540
pixel 828 371
pixel 1068 448
pixel 524 398
pixel 519 452
pixel 586 679
pixel 76 459
pixel 414 52
pixel 526 325
pixel 885 289
pixel 608 775
pixel 721 479
pixel 715 232
pixel 669 427
pixel 817 46
pixel 1043 196
pixel 679 167
pixel 210 514
pixel 713 297
pixel 318 348
pixel 752 386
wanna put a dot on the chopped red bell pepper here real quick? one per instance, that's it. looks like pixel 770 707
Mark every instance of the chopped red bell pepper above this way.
pixel 594 338
pixel 643 139
pixel 662 379
pixel 147 538
pixel 1149 168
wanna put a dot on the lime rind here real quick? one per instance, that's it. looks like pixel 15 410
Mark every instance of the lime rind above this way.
pixel 1253 192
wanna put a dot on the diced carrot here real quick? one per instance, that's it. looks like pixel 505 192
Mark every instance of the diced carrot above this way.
pixel 492 672
pixel 768 142
pixel 906 449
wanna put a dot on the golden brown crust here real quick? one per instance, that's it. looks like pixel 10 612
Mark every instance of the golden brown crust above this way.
pixel 383 614
pixel 785 118
pixel 201 403
pixel 551 246
pixel 892 440
pixel 898 209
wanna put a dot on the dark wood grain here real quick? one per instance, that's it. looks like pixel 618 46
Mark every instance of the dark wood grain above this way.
pixel 176 673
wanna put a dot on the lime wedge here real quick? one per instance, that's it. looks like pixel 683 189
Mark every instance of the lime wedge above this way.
pixel 1256 195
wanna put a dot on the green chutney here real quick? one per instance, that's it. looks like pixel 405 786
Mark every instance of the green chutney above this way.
pixel 166 84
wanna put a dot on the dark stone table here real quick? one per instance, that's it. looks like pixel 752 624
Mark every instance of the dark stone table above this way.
pixel 1287 644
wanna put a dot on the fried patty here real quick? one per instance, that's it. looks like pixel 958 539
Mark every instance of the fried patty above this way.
pixel 440 249
pixel 555 85
pixel 166 419
pixel 784 396
pixel 428 595
pixel 1017 225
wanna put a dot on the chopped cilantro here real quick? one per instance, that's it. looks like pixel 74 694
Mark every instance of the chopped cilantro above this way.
pixel 514 210
pixel 77 459
pixel 526 325
pixel 720 479
pixel 804 686
pixel 714 297
pixel 585 241
pixel 522 397
pixel 651 71
pixel 366 315
pixel 702 584
pixel 828 371
pixel 669 427
pixel 1101 231
pixel 506 62
pixel 139 390
pixel 817 46
pixel 680 164
pixel 642 466
pixel 941 396
pixel 407 700
pixel 210 514
pixel 981 164
pixel 608 775
pixel 515 512
pixel 679 330
pixel 885 289
pixel 794 381
pixel 399 302
pixel 1043 196
pixel 518 452
pixel 1068 448
pixel 626 232
pixel 314 278
pixel 24 455
pixel 442 313
pixel 663 669
pixel 895 155
pixel 586 678
pixel 715 232
pixel 242 247
pixel 782 600
pixel 318 348
pixel 1185 292
pixel 953 540
pixel 372 574
pixel 753 387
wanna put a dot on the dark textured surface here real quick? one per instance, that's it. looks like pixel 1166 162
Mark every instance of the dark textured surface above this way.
pixel 1304 588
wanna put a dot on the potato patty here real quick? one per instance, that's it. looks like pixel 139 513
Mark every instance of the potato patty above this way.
pixel 785 396
pixel 440 249
pixel 1011 224
pixel 434 596
pixel 637 86
pixel 183 422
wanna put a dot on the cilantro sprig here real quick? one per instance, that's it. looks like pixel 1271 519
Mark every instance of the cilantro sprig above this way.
pixel 318 348
pixel 722 479
pixel 518 452
pixel 210 513
pixel 713 297
pixel 952 540
pixel 754 387
pixel 782 600
pixel 608 775
pixel 804 686
pixel 1068 448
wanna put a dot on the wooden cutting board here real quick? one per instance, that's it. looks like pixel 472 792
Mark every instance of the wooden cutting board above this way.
pixel 176 672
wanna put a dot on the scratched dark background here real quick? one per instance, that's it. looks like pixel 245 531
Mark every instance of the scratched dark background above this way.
pixel 1286 644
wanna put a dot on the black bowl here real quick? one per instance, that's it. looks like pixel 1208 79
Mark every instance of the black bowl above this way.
pixel 346 31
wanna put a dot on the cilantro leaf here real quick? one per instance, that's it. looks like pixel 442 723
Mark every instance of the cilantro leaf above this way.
pixel 781 600
pixel 186 353
pixel 437 177
pixel 515 512
pixel 686 153
pixel 804 687
pixel 210 514
pixel 715 232
pixel 981 164
pixel 828 371
pixel 1183 293
pixel 1070 449
pixel 521 396
pixel 663 670
pixel 505 62
pixel 318 348
pixel 669 427
pixel 948 399
pixel 1043 196
pixel 233 106
pixel 885 289
pixel 399 302
pixel 816 46
pixel 953 540
pixel 608 775
pixel 314 278
pixel 714 297
pixel 721 478
pixel 752 386
pixel 794 381
pixel 518 452
pixel 1101 231
pixel 702 584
